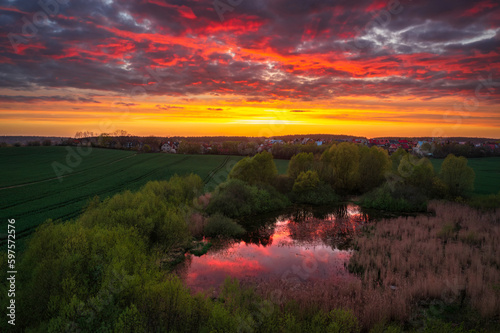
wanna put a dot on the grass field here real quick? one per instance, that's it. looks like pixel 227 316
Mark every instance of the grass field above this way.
pixel 487 173
pixel 31 192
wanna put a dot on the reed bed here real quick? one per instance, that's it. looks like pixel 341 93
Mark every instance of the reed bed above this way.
pixel 401 263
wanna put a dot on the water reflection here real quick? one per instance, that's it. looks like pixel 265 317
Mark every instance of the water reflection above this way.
pixel 277 243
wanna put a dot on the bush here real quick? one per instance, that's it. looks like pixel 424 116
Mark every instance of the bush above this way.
pixel 306 181
pixel 485 202
pixel 308 189
pixel 235 198
pixel 283 183
pixel 220 225
pixel 400 198
pixel 323 194
pixel 158 211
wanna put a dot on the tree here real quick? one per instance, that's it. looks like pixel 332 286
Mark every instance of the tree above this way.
pixel 417 172
pixel 396 158
pixel 373 165
pixel 457 176
pixel 344 161
pixel 306 180
pixel 300 163
pixel 258 169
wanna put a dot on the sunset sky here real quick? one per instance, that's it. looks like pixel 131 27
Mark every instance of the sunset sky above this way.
pixel 250 67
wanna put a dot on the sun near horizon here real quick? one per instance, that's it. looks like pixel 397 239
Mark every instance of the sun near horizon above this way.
pixel 367 68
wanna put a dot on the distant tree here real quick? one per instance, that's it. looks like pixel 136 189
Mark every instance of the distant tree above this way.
pixel 300 163
pixel 426 147
pixel 457 176
pixel 46 142
pixel 120 132
pixel 103 140
pixel 374 162
pixel 231 147
pixel 186 147
pixel 146 148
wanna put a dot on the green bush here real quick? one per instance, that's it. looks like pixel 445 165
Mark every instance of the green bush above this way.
pixel 485 202
pixel 306 181
pixel 399 198
pixel 220 225
pixel 283 183
pixel 158 211
pixel 235 198
pixel 323 194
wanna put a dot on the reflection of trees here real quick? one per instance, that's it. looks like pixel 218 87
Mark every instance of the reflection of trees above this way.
pixel 260 236
pixel 260 230
pixel 335 226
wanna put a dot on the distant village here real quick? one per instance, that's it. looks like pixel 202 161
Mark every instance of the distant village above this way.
pixel 280 147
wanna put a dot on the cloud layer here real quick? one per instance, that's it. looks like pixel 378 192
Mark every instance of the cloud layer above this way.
pixel 263 50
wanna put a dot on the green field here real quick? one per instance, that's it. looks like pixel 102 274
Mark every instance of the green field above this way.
pixel 31 193
pixel 487 173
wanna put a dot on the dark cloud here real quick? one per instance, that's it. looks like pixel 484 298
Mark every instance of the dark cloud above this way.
pixel 36 99
pixel 264 49
pixel 169 107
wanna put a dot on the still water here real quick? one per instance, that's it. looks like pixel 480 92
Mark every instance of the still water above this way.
pixel 306 243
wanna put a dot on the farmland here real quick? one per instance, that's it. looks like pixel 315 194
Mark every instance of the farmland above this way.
pixel 31 193
pixel 487 173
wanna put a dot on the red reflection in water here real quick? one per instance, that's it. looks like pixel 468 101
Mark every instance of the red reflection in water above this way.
pixel 311 248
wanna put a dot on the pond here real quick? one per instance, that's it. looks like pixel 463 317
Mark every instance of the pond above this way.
pixel 303 243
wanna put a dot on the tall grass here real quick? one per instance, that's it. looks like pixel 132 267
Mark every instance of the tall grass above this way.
pixel 407 262
pixel 452 257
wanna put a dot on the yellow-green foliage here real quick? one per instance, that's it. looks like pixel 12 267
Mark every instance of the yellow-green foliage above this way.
pixel 301 162
pixel 306 181
pixel 255 170
pixel 157 211
pixel 457 176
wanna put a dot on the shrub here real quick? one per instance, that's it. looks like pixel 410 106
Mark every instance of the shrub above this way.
pixel 485 202
pixel 306 180
pixel 399 198
pixel 283 183
pixel 158 211
pixel 220 225
pixel 235 198
pixel 323 194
